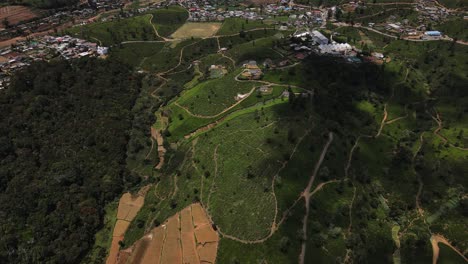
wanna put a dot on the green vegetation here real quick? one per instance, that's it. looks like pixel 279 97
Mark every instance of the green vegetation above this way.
pixel 115 32
pixel 236 25
pixel 64 139
pixel 103 237
pixel 213 96
pixel 392 176
pixel 454 3
pixel 135 54
pixel 455 28
pixel 169 20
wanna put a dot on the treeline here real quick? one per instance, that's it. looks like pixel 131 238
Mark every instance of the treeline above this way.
pixel 64 130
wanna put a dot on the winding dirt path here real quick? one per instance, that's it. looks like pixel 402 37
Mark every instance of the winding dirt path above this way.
pixel 420 182
pixel 398 118
pixel 438 120
pixel 156 31
pixel 218 114
pixel 274 226
pixel 306 194
pixel 215 159
pixel 435 240
pixel 151 149
pixel 382 123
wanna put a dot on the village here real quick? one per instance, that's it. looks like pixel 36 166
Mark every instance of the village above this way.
pixel 44 48
pixel 309 24
pixel 204 11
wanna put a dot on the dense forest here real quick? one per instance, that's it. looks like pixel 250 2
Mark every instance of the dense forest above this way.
pixel 64 129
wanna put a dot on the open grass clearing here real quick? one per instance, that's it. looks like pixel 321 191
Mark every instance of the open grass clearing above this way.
pixel 235 25
pixel 196 30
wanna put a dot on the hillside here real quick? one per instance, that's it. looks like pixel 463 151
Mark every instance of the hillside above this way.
pixel 251 144
pixel 64 132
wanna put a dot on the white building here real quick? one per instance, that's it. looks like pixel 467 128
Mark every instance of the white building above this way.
pixel 319 38
pixel 335 48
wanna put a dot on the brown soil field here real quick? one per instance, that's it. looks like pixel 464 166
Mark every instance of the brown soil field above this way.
pixel 186 222
pixel 16 14
pixel 172 251
pixel 190 254
pixel 129 206
pixel 206 234
pixel 114 250
pixel 207 252
pixel 174 241
pixel 155 247
pixel 120 228
pixel 199 215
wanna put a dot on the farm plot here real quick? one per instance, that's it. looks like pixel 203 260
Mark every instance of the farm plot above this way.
pixel 16 14
pixel 196 30
pixel 130 29
pixel 235 25
pixel 212 97
pixel 247 152
pixel 128 208
pixel 186 237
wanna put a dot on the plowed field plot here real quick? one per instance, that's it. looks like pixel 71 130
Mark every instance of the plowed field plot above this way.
pixel 186 237
pixel 129 206
pixel 16 14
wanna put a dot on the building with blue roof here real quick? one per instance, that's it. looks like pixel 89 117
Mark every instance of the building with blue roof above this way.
pixel 433 33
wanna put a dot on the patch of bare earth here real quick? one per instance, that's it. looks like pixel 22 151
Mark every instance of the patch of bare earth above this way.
pixel 16 14
pixel 157 135
pixel 129 206
pixel 186 237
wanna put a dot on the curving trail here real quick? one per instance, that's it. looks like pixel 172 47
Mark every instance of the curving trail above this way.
pixel 420 182
pixel 220 113
pixel 156 31
pixel 438 120
pixel 398 118
pixel 151 149
pixel 215 159
pixel 435 240
pixel 306 195
pixel 382 123
pixel 274 226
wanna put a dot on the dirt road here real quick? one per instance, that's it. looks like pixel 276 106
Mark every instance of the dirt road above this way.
pixel 306 194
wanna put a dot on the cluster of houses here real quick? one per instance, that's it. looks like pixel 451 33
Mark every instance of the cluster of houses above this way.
pixel 201 11
pixel 105 4
pixel 45 23
pixel 429 12
pixel 217 71
pixel 251 71
pixel 44 48
pixel 305 42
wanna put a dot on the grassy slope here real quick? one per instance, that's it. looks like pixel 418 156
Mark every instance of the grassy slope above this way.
pixel 114 32
pixel 235 25
pixel 455 28
pixel 251 140
pixel 169 20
